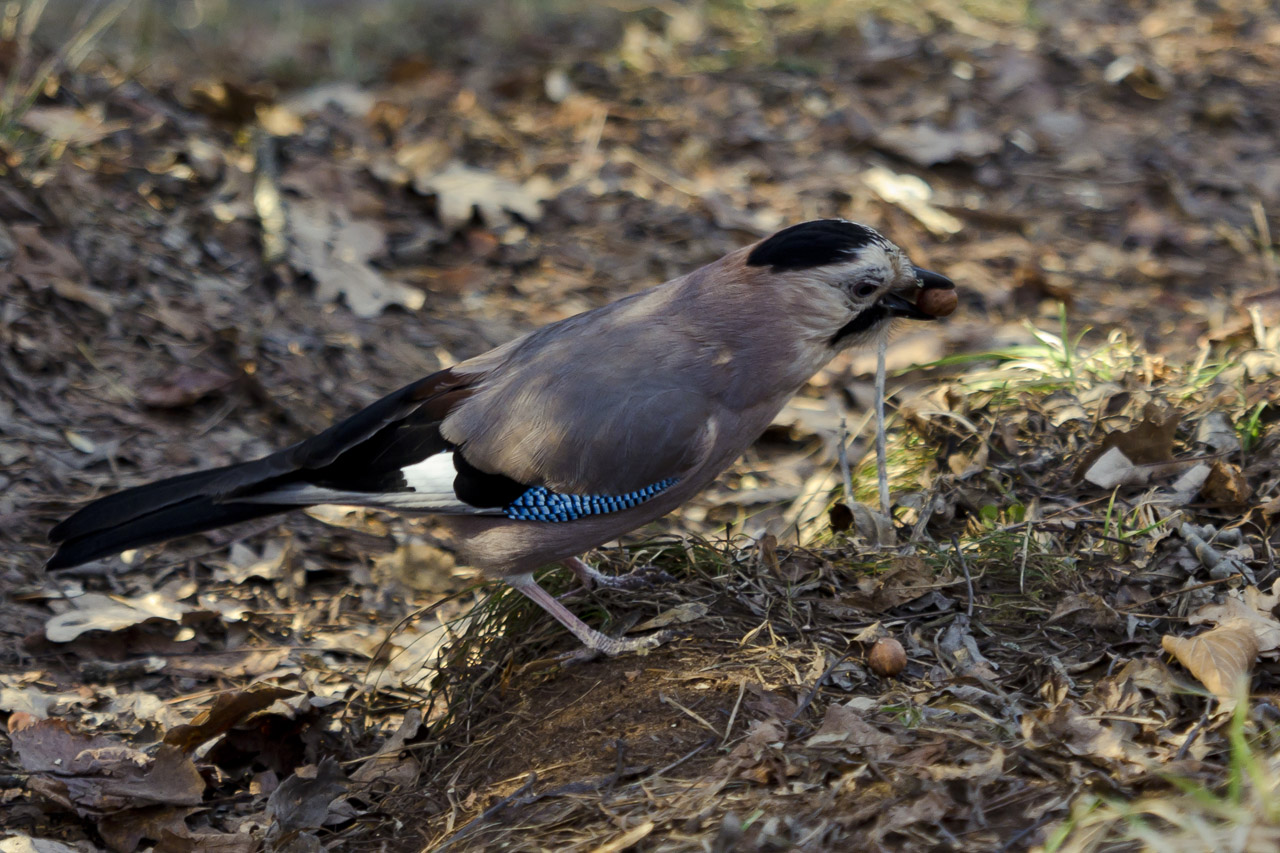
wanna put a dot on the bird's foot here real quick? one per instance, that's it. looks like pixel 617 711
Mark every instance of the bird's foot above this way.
pixel 601 644
pixel 642 577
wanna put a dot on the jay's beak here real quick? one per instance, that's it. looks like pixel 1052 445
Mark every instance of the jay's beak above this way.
pixel 898 305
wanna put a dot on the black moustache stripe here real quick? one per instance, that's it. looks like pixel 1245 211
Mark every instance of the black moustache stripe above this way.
pixel 872 316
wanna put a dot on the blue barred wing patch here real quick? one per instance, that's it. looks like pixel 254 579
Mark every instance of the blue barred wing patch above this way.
pixel 542 504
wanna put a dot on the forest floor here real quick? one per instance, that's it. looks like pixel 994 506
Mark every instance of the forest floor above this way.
pixel 222 229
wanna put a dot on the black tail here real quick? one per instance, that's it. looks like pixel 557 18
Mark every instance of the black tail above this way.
pixel 167 509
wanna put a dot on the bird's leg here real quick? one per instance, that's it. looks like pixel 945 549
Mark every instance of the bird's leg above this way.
pixel 641 578
pixel 596 642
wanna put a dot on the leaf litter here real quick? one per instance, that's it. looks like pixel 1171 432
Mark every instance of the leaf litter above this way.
pixel 196 277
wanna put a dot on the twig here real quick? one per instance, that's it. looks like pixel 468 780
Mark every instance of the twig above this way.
pixel 1022 570
pixel 964 566
pixel 1191 737
pixel 813 691
pixel 681 760
pixel 475 822
pixel 846 474
pixel 698 718
pixel 882 453
pixel 733 715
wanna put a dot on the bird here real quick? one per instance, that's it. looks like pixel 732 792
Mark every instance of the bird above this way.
pixel 574 434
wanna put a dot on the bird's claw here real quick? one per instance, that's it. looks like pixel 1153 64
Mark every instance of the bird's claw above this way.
pixel 613 647
pixel 643 577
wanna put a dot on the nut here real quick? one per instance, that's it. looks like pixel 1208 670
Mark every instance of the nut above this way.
pixel 887 657
pixel 937 301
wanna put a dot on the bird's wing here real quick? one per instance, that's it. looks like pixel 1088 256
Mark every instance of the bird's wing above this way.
pixel 592 408
pixel 604 407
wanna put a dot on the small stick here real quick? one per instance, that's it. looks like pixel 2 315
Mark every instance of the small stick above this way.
pixel 733 715
pixel 955 542
pixel 845 473
pixel 882 463
pixel 476 822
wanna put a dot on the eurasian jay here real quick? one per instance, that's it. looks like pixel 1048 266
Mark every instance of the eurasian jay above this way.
pixel 572 434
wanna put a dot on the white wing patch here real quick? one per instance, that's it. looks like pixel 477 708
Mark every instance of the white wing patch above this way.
pixel 432 476
pixel 430 484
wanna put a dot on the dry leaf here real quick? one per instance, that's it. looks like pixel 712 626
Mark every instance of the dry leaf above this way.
pixel 1087 609
pixel 461 190
pixel 926 144
pixel 681 613
pixel 228 710
pixel 1253 613
pixel 1113 469
pixel 96 775
pixel 46 265
pixel 842 726
pixel 96 612
pixel 70 125
pixel 913 195
pixel 1148 442
pixel 335 250
pixel 302 801
pixel 1216 431
pixel 187 387
pixel 1226 486
pixel 1219 658
pixel 27 844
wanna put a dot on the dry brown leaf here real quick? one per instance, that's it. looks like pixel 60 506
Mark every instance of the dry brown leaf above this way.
pixel 97 775
pixel 126 830
pixel 1219 658
pixel 913 195
pixel 909 579
pixel 749 752
pixel 1216 432
pixel 1081 733
pixel 390 765
pixel 842 726
pixel 1253 613
pixel 982 767
pixel 1148 442
pixel 1088 609
pixel 26 844
pixel 926 144
pixel 228 710
pixel 627 839
pixel 1226 486
pixel 1113 469
pixel 302 801
pixel 46 265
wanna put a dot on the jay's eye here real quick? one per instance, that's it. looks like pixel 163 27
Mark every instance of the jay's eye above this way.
pixel 865 290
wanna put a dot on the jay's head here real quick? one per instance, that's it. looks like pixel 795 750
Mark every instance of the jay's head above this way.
pixel 861 281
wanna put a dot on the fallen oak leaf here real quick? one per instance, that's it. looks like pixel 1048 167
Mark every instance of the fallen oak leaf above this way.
pixel 335 248
pixel 462 190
